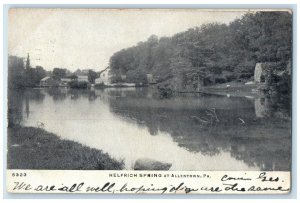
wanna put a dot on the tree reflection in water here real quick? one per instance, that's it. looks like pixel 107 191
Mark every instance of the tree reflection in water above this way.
pixel 257 132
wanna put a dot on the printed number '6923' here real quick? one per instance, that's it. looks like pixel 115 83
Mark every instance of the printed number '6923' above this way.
pixel 18 174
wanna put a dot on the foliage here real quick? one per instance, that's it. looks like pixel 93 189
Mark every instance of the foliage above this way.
pixel 59 73
pixel 39 149
pixel 20 77
pixel 92 75
pixel 79 84
pixel 209 54
pixel 165 92
pixel 16 72
pixel 34 75
pixel 28 62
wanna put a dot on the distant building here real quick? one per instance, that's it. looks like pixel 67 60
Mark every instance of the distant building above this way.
pixel 104 78
pixel 82 78
pixel 65 81
pixel 49 82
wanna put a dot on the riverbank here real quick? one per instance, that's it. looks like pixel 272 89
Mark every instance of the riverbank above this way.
pixel 35 148
pixel 236 89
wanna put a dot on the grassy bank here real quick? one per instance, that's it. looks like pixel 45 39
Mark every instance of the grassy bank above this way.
pixel 35 148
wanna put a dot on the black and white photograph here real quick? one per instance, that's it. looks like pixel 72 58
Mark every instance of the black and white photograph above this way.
pixel 149 89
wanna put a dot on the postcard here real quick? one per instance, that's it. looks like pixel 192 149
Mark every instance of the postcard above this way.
pixel 149 101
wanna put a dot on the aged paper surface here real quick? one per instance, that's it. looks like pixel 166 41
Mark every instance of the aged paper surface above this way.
pixel 160 101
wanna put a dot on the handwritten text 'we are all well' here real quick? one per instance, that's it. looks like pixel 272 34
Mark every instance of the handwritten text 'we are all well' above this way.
pixel 227 184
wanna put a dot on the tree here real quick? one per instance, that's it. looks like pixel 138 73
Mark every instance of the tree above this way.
pixel 213 52
pixel 40 72
pixel 20 76
pixel 92 75
pixel 28 73
pixel 28 63
pixel 16 73
pixel 59 73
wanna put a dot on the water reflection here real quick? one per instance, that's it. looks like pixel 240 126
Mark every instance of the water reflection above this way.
pixel 272 107
pixel 16 99
pixel 261 107
pixel 134 123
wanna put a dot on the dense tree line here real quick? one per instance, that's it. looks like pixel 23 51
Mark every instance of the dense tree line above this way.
pixel 209 54
pixel 22 75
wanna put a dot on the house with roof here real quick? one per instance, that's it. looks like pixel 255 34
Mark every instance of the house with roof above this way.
pixel 65 81
pixel 104 78
pixel 49 82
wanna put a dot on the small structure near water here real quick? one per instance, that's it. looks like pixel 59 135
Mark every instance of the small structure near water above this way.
pixel 264 71
pixel 260 72
pixel 49 82
pixel 273 78
pixel 65 81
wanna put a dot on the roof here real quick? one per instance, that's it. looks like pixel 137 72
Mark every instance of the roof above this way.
pixel 45 78
pixel 106 69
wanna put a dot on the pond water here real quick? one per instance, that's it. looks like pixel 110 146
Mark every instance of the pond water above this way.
pixel 189 131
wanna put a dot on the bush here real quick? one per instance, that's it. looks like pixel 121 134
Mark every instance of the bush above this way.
pixel 79 84
pixel 220 80
pixel 165 92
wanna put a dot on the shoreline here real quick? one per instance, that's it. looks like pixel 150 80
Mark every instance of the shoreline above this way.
pixel 230 89
pixel 235 90
pixel 35 148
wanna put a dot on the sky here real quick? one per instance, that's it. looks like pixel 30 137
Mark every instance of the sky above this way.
pixel 87 38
